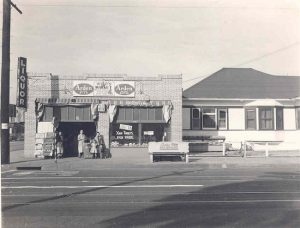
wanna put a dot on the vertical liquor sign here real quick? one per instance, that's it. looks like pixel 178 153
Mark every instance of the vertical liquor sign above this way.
pixel 22 83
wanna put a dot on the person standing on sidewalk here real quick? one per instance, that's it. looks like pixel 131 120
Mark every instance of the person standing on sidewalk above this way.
pixel 80 139
pixel 59 145
pixel 100 146
pixel 94 147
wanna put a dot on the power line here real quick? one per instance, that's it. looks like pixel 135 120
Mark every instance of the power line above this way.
pixel 253 59
pixel 158 6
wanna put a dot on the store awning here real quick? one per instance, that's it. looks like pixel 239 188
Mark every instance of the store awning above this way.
pixel 130 103
pixel 65 101
pixel 140 103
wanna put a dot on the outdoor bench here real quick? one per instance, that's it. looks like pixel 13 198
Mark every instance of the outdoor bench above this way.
pixel 168 149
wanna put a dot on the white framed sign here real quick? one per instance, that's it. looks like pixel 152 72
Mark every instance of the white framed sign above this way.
pixel 83 88
pixel 104 88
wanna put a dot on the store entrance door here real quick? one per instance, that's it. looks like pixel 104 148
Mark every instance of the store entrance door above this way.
pixel 70 131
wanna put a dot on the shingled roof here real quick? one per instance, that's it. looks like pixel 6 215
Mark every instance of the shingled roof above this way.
pixel 245 83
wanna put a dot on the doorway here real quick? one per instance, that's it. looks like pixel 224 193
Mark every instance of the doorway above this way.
pixel 70 131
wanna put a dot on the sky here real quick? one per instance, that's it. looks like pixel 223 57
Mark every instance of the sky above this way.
pixel 194 38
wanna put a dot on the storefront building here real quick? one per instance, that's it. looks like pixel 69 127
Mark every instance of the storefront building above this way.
pixel 243 104
pixel 127 111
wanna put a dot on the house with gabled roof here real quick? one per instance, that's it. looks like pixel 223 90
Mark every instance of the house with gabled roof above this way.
pixel 244 104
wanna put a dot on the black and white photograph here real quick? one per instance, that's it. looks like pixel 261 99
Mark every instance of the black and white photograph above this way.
pixel 150 113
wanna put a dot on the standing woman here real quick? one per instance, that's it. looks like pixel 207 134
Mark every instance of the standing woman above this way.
pixel 80 139
pixel 59 145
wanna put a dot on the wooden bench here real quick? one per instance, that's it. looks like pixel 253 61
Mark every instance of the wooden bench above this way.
pixel 168 149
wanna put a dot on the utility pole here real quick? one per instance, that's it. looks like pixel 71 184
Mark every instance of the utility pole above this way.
pixel 5 76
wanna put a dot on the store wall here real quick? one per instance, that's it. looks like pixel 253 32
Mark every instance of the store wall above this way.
pixel 38 86
pixel 153 88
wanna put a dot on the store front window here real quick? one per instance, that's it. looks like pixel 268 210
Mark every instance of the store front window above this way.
pixel 152 132
pixel 135 126
pixel 124 135
pixel 67 113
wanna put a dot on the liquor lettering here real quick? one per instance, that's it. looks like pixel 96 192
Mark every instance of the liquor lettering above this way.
pixel 22 80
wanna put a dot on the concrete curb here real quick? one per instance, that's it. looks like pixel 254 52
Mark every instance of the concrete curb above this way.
pixel 204 162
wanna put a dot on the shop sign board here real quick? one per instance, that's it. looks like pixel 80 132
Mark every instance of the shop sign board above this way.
pixel 126 127
pixel 22 83
pixel 124 89
pixel 83 88
pixel 161 147
pixel 148 132
pixel 102 108
pixel 104 88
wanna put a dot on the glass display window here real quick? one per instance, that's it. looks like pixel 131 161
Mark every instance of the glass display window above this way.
pixel 124 134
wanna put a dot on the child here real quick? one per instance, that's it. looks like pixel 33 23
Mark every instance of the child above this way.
pixel 94 150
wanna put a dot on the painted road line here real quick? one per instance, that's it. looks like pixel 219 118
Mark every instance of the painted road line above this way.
pixel 155 202
pixel 143 193
pixel 146 193
pixel 8 171
pixel 127 177
pixel 103 186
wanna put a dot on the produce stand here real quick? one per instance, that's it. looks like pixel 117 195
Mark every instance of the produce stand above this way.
pixel 44 145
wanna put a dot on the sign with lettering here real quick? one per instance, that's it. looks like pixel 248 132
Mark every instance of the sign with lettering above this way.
pixel 126 127
pixel 168 147
pixel 22 83
pixel 124 89
pixel 128 135
pixel 104 88
pixel 148 132
pixel 83 88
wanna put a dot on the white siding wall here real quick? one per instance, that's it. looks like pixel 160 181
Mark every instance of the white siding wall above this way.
pixel 186 118
pixel 289 119
pixel 236 117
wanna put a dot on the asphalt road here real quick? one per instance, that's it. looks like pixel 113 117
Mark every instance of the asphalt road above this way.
pixel 153 197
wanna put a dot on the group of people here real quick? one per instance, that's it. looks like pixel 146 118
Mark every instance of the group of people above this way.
pixel 96 147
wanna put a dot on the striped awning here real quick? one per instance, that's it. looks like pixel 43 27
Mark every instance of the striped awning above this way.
pixel 140 103
pixel 81 100
pixel 67 100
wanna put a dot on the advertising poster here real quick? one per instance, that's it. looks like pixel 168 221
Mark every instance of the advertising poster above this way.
pixel 83 88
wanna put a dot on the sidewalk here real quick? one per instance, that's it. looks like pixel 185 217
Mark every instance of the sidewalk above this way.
pixel 137 159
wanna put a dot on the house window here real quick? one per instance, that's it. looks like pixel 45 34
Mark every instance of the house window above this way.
pixel 250 119
pixel 266 119
pixel 186 118
pixel 279 118
pixel 298 118
pixel 196 118
pixel 209 118
pixel 222 118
